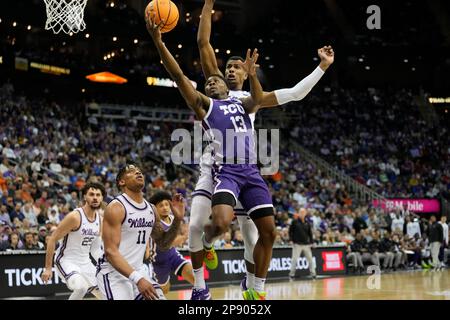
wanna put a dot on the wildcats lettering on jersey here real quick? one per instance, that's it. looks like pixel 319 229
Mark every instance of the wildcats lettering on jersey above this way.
pixel 231 129
pixel 140 223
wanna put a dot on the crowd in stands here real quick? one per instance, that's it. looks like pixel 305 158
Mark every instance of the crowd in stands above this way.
pixel 48 152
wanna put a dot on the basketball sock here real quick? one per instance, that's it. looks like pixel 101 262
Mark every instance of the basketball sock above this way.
pixel 77 294
pixel 259 284
pixel 250 281
pixel 206 244
pixel 199 279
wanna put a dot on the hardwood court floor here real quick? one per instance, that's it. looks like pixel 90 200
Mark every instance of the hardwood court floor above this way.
pixel 408 285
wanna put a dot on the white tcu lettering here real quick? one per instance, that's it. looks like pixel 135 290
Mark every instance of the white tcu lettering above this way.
pixel 232 108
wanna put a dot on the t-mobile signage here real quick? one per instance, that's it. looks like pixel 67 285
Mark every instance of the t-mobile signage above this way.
pixel 414 205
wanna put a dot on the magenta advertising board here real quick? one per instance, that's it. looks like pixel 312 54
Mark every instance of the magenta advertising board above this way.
pixel 414 205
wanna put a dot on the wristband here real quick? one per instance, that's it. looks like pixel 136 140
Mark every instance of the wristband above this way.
pixel 135 277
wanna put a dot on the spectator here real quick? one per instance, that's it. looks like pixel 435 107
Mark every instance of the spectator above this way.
pixel 53 217
pixel 412 227
pixel 238 241
pixel 397 223
pixel 359 223
pixel 436 239
pixel 444 251
pixel 300 232
pixel 29 213
pixel 4 215
pixel 13 243
pixel 29 242
pixel 357 248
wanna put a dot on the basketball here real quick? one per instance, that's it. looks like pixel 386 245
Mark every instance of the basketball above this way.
pixel 164 10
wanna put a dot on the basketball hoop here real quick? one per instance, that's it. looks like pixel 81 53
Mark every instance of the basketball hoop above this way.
pixel 65 15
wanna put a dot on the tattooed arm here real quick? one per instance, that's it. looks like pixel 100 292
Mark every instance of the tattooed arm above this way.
pixel 164 239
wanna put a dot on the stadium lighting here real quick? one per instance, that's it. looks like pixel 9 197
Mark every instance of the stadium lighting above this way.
pixel 213 11
pixel 83 90
pixel 367 68
pixel 216 51
pixel 87 35
pixel 122 49
pixel 260 40
pixel 267 58
pixel 180 46
pixel 405 61
pixel 71 34
pixel 228 51
pixel 413 69
pixel 112 4
pixel 114 39
pixel 113 54
pixel 361 60
pixel 136 41
pixel 14 24
pixel 271 66
pixel 109 56
pixel 0 20
pixel 188 14
pixel 105 57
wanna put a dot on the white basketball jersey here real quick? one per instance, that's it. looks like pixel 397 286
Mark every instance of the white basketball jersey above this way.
pixel 76 245
pixel 206 160
pixel 136 229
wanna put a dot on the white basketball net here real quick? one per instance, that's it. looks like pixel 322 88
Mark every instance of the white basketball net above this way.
pixel 65 15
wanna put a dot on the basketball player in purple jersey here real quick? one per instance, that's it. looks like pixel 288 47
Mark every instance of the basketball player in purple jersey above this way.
pixel 79 230
pixel 222 116
pixel 167 259
pixel 201 204
pixel 129 222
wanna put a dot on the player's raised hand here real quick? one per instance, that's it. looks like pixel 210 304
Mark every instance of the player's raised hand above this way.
pixel 46 275
pixel 153 29
pixel 147 290
pixel 326 55
pixel 249 65
pixel 178 207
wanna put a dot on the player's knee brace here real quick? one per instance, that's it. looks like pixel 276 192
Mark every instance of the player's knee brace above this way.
pixel 249 235
pixel 77 283
pixel 200 213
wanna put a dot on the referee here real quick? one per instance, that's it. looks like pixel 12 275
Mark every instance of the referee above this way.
pixel 301 235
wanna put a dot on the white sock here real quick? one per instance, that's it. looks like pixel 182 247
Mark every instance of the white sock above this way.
pixel 250 281
pixel 206 244
pixel 77 294
pixel 199 279
pixel 259 284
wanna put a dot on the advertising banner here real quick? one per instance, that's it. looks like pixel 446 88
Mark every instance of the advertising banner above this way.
pixel 414 205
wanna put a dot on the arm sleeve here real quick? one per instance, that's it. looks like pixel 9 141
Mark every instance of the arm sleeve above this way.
pixel 301 89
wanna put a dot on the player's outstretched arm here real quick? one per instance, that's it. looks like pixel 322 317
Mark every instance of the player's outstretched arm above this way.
pixel 249 65
pixel 207 56
pixel 164 239
pixel 301 89
pixel 197 101
pixel 70 222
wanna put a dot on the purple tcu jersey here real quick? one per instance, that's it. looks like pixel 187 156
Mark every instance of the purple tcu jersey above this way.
pixel 231 130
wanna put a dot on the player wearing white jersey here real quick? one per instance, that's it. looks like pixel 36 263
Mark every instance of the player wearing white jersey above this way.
pixel 129 222
pixel 201 203
pixel 78 231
